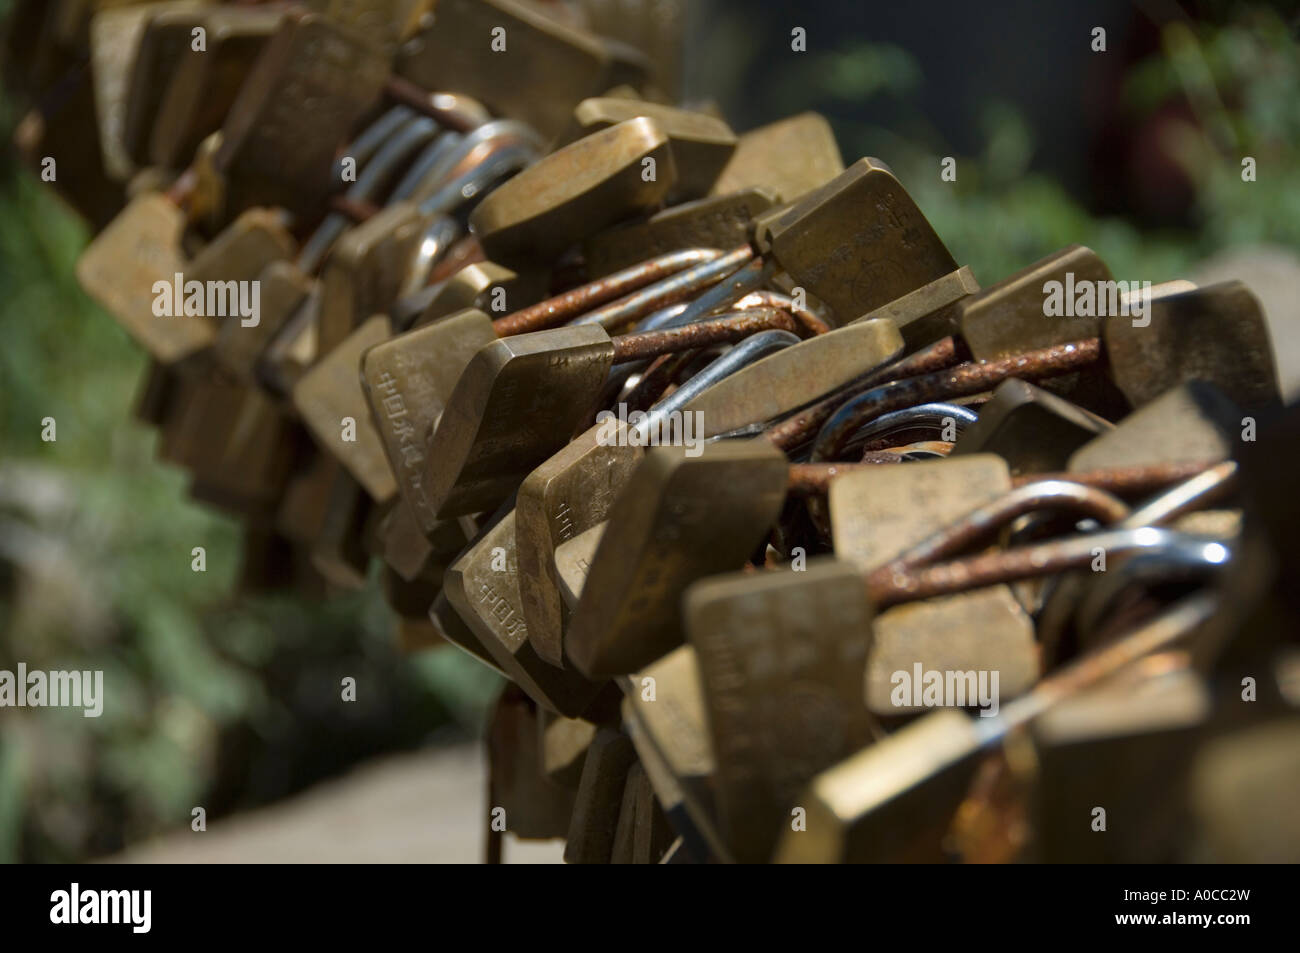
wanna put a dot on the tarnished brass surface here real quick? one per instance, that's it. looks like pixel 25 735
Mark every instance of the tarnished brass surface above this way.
pixel 565 496
pixel 795 376
pixel 545 70
pixel 284 288
pixel 581 188
pixel 535 806
pixel 718 222
pixel 877 513
pixel 205 83
pixel 407 380
pixel 250 243
pixel 479 285
pixel 119 268
pixel 1030 428
pixel 573 561
pixel 330 392
pixel 516 403
pixel 563 743
pixel 678 519
pixel 701 144
pixel 1008 317
pixel 859 242
pixel 482 586
pixel 984 631
pixel 1216 334
pixel 932 311
pixel 1192 423
pixel 367 268
pixel 164 43
pixel 790 157
pixel 782 657
pixel 600 797
pixel 308 88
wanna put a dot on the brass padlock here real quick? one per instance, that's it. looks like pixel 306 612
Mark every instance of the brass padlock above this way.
pixel 581 188
pixel 679 518
pixel 407 380
pixel 701 144
pixel 600 796
pixel 330 399
pixel 482 586
pixel 202 84
pixel 859 242
pixel 513 58
pixel 782 657
pixel 310 85
pixel 564 497
pixel 718 222
pixel 791 157
pixel 1032 429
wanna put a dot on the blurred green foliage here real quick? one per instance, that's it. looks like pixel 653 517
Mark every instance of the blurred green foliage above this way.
pixel 1242 81
pixel 211 700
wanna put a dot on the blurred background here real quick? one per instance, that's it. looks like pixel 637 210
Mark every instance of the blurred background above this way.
pixel 224 698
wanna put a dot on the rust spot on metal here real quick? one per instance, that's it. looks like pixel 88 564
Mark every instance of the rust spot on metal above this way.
pixel 646 344
pixel 961 381
pixel 570 304
pixel 800 428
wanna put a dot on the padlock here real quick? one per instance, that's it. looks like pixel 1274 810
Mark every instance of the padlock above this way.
pixel 450 626
pixel 482 586
pixel 122 267
pixel 678 519
pixel 895 799
pixel 796 376
pixel 283 289
pixel 514 59
pixel 564 497
pixel 930 312
pixel 859 242
pixel 563 743
pixel 790 157
pixel 1124 747
pixel 201 84
pixel 721 221
pixel 1009 317
pixel 240 252
pixel 550 379
pixel 587 185
pixel 166 38
pixel 366 270
pixel 877 514
pixel 1216 334
pixel 701 144
pixel 330 399
pixel 114 41
pixel 1032 429
pixel 1193 422
pixel 1240 800
pixel 407 380
pixel 478 285
pixel 535 808
pixel 383 22
pixel 600 795
pixel 782 656
pixel 310 85
pixel 663 713
pixel 642 834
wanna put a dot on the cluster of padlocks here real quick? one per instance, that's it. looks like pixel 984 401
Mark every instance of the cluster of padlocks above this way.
pixel 795 542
